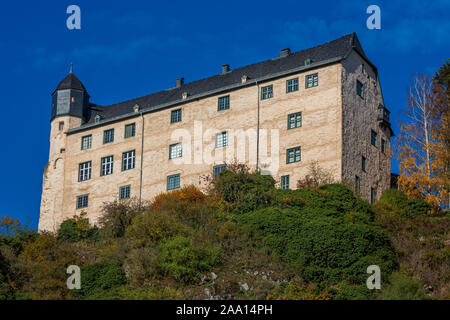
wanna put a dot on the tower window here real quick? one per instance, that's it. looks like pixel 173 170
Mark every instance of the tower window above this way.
pixel 372 195
pixel 292 85
pixel 383 145
pixel 218 169
pixel 128 160
pixel 130 130
pixel 357 184
pixel 285 182
pixel 108 136
pixel 61 126
pixel 374 138
pixel 175 150
pixel 267 92
pixel 293 155
pixel 82 201
pixel 175 116
pixel 223 103
pixel 363 163
pixel 124 192
pixel 84 171
pixel 359 89
pixel 312 80
pixel 107 165
pixel 294 120
pixel 221 139
pixel 173 181
pixel 62 150
pixel 86 142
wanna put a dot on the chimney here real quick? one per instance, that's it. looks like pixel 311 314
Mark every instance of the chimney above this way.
pixel 225 68
pixel 285 52
pixel 180 82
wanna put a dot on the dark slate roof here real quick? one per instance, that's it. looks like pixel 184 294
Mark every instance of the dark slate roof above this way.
pixel 70 82
pixel 335 49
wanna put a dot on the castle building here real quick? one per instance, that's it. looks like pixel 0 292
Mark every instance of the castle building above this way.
pixel 321 104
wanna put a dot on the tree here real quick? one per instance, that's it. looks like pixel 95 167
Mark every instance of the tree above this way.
pixel 419 145
pixel 441 119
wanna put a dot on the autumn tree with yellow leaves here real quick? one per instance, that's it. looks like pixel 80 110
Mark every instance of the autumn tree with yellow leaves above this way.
pixel 423 142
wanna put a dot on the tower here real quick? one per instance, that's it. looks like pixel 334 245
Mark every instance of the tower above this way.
pixel 70 108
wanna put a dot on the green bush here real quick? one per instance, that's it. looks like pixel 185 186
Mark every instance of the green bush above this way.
pixel 321 241
pixel 76 229
pixel 117 216
pixel 185 261
pixel 245 191
pixel 395 198
pixel 401 287
pixel 346 291
pixel 99 278
pixel 400 203
pixel 154 226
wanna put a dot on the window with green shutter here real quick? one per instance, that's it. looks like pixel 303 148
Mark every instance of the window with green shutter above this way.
pixel 130 130
pixel 294 120
pixel 312 80
pixel 291 85
pixel 266 92
pixel 293 155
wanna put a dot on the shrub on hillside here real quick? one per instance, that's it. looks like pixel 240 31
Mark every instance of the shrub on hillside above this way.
pixel 323 244
pixel 155 225
pixel 99 278
pixel 185 261
pixel 245 191
pixel 399 202
pixel 76 229
pixel 401 287
pixel 117 216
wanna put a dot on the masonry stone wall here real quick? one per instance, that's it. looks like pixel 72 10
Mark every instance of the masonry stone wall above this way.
pixel 359 118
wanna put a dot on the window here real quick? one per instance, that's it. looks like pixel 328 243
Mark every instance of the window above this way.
pixel 293 155
pixel 359 89
pixel 175 150
pixel 130 130
pixel 357 184
pixel 173 181
pixel 372 195
pixel 86 142
pixel 285 182
pixel 218 169
pixel 97 119
pixel 291 85
pixel 107 165
pixel 128 160
pixel 62 150
pixel 108 136
pixel 363 163
pixel 82 201
pixel 294 120
pixel 383 145
pixel 175 116
pixel 124 192
pixel 374 138
pixel 267 92
pixel 84 171
pixel 224 103
pixel 61 126
pixel 312 80
pixel 221 139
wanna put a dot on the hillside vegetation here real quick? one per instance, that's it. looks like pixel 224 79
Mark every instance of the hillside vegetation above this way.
pixel 246 239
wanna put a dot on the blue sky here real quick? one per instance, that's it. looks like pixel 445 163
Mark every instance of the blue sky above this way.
pixel 127 49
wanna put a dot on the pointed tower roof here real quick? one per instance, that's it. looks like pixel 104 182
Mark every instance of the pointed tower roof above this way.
pixel 70 82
